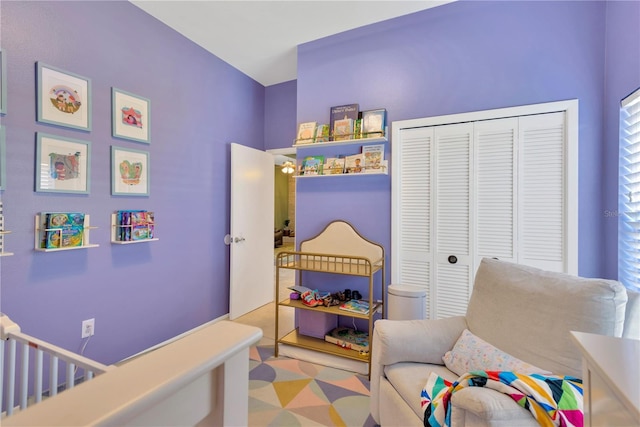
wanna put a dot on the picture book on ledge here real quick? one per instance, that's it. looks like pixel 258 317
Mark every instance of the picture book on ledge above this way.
pixel 306 133
pixel 61 229
pixel 354 164
pixel 322 133
pixel 312 165
pixel 134 225
pixel 373 123
pixel 334 166
pixel 373 157
pixel 341 121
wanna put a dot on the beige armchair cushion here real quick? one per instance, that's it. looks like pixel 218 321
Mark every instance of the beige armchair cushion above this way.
pixel 528 313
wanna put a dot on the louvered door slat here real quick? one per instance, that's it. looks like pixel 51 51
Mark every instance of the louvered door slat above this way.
pixel 414 243
pixel 453 290
pixel 452 192
pixel 494 146
pixel 452 280
pixel 542 177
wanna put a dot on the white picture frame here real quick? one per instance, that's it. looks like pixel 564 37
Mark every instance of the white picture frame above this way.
pixel 63 165
pixel 64 98
pixel 130 116
pixel 130 172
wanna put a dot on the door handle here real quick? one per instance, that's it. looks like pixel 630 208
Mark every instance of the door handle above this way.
pixel 229 240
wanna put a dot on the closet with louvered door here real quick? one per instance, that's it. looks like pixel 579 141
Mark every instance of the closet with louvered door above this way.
pixel 495 187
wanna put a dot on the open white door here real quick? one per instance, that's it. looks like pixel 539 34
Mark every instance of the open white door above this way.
pixel 252 212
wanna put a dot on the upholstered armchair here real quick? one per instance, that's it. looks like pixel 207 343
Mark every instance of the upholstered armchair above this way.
pixel 522 311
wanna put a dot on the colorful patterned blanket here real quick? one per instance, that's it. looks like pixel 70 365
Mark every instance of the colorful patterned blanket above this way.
pixel 551 399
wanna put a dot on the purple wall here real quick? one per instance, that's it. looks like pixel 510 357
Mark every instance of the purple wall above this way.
pixel 280 115
pixel 463 56
pixel 139 294
pixel 622 77
pixel 460 57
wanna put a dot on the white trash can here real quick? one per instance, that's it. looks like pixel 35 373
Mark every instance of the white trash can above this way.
pixel 406 302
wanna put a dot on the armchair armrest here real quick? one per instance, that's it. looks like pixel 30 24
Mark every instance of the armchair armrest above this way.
pixel 421 341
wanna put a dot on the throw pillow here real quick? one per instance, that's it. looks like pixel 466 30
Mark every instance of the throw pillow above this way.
pixel 471 353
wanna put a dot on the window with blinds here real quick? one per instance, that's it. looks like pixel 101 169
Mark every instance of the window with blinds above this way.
pixel 629 193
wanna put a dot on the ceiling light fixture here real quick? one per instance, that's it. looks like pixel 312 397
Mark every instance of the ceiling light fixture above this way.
pixel 287 167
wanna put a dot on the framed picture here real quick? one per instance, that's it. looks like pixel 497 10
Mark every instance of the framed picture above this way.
pixel 3 81
pixel 131 116
pixel 62 164
pixel 129 172
pixel 3 161
pixel 64 98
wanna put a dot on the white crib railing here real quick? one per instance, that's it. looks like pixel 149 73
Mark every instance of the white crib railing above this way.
pixel 27 371
pixel 200 379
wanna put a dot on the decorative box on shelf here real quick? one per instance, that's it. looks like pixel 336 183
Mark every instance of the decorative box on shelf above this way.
pixel 316 323
pixel 132 226
pixel 61 231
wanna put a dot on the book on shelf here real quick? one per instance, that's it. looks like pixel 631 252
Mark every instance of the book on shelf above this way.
pixel 334 166
pixel 343 129
pixel 142 225
pixel 134 225
pixel 348 338
pixel 341 120
pixel 354 163
pixel 355 306
pixel 373 157
pixel 306 133
pixel 322 133
pixel 312 165
pixel 62 229
pixel 373 123
pixel 357 128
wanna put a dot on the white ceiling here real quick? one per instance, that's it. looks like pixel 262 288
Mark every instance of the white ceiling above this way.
pixel 259 38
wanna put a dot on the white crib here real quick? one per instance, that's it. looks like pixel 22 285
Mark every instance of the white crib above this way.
pixel 209 385
pixel 31 361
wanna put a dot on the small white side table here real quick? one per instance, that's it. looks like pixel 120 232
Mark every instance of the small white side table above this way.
pixel 611 380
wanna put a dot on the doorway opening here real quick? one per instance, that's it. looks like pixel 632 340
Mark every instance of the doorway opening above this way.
pixel 284 199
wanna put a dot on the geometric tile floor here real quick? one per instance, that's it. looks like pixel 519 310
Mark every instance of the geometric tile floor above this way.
pixel 290 392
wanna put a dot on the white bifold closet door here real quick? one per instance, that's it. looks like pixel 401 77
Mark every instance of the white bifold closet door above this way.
pixel 452 161
pixel 461 192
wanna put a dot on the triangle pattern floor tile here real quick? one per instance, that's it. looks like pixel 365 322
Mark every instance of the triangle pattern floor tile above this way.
pixel 308 397
pixel 334 393
pixel 351 383
pixel 266 395
pixel 320 414
pixel 288 390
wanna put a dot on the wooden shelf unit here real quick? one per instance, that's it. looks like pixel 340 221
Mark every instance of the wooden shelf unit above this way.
pixel 360 257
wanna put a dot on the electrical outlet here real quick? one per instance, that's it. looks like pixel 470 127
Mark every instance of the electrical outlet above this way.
pixel 88 327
